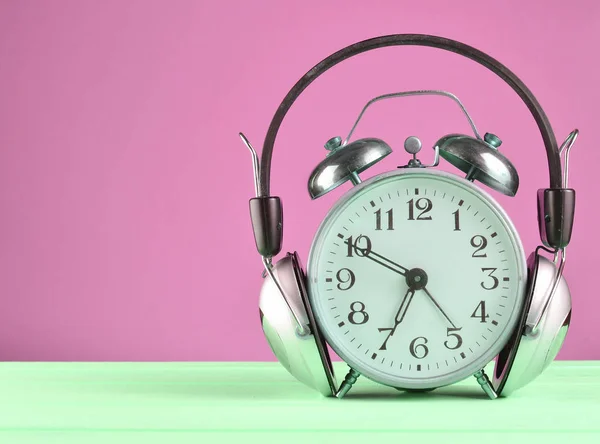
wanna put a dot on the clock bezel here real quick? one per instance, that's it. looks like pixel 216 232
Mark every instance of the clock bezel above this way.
pixel 463 372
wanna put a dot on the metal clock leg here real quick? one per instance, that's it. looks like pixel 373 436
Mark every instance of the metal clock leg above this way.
pixel 349 381
pixel 485 384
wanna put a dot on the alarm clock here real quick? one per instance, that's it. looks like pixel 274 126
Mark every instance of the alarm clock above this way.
pixel 417 277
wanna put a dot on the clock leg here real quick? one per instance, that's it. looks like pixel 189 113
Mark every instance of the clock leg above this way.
pixel 485 384
pixel 349 381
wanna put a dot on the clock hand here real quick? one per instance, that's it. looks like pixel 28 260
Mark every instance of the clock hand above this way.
pixel 379 259
pixel 387 263
pixel 438 306
pixel 404 306
pixel 399 315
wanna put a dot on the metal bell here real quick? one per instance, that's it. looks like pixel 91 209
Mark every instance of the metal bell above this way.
pixel 345 162
pixel 481 160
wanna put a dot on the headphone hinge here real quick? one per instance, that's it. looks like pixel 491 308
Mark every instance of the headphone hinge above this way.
pixel 556 211
pixel 266 214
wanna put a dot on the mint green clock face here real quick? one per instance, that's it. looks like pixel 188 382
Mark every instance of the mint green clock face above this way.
pixel 416 278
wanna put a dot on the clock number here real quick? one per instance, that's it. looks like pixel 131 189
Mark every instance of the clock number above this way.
pixel 359 313
pixel 345 276
pixel 490 274
pixel 482 315
pixel 421 349
pixel 450 333
pixel 355 246
pixel 479 243
pixel 391 332
pixel 423 204
pixel 390 219
pixel 456 220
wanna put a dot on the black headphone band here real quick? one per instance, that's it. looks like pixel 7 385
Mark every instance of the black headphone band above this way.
pixel 552 152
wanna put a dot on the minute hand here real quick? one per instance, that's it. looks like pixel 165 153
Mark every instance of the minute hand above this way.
pixel 438 306
pixel 379 259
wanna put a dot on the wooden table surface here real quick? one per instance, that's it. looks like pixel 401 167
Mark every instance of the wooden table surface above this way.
pixel 260 402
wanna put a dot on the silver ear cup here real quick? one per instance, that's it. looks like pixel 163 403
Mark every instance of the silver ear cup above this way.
pixel 304 356
pixel 528 355
pixel 274 340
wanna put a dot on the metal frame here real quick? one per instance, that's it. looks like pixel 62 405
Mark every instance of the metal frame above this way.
pixel 303 329
pixel 560 255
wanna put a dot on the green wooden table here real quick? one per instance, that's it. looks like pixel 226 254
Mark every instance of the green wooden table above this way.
pixel 259 402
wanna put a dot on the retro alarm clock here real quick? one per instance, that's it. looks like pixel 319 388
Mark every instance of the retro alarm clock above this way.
pixel 417 278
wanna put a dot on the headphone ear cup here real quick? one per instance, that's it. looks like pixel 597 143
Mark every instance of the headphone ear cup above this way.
pixel 527 354
pixel 304 355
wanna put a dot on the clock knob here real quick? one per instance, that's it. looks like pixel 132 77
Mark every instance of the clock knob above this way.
pixel 412 145
pixel 481 160
pixel 345 162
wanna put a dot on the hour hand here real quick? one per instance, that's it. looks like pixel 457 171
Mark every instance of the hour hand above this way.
pixel 404 306
pixel 377 258
pixel 399 316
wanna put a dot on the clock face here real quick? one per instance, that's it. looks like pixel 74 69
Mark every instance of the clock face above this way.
pixel 416 278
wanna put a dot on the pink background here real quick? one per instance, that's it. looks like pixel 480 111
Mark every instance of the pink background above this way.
pixel 124 232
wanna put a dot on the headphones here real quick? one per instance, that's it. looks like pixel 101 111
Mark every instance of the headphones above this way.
pixel 286 315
